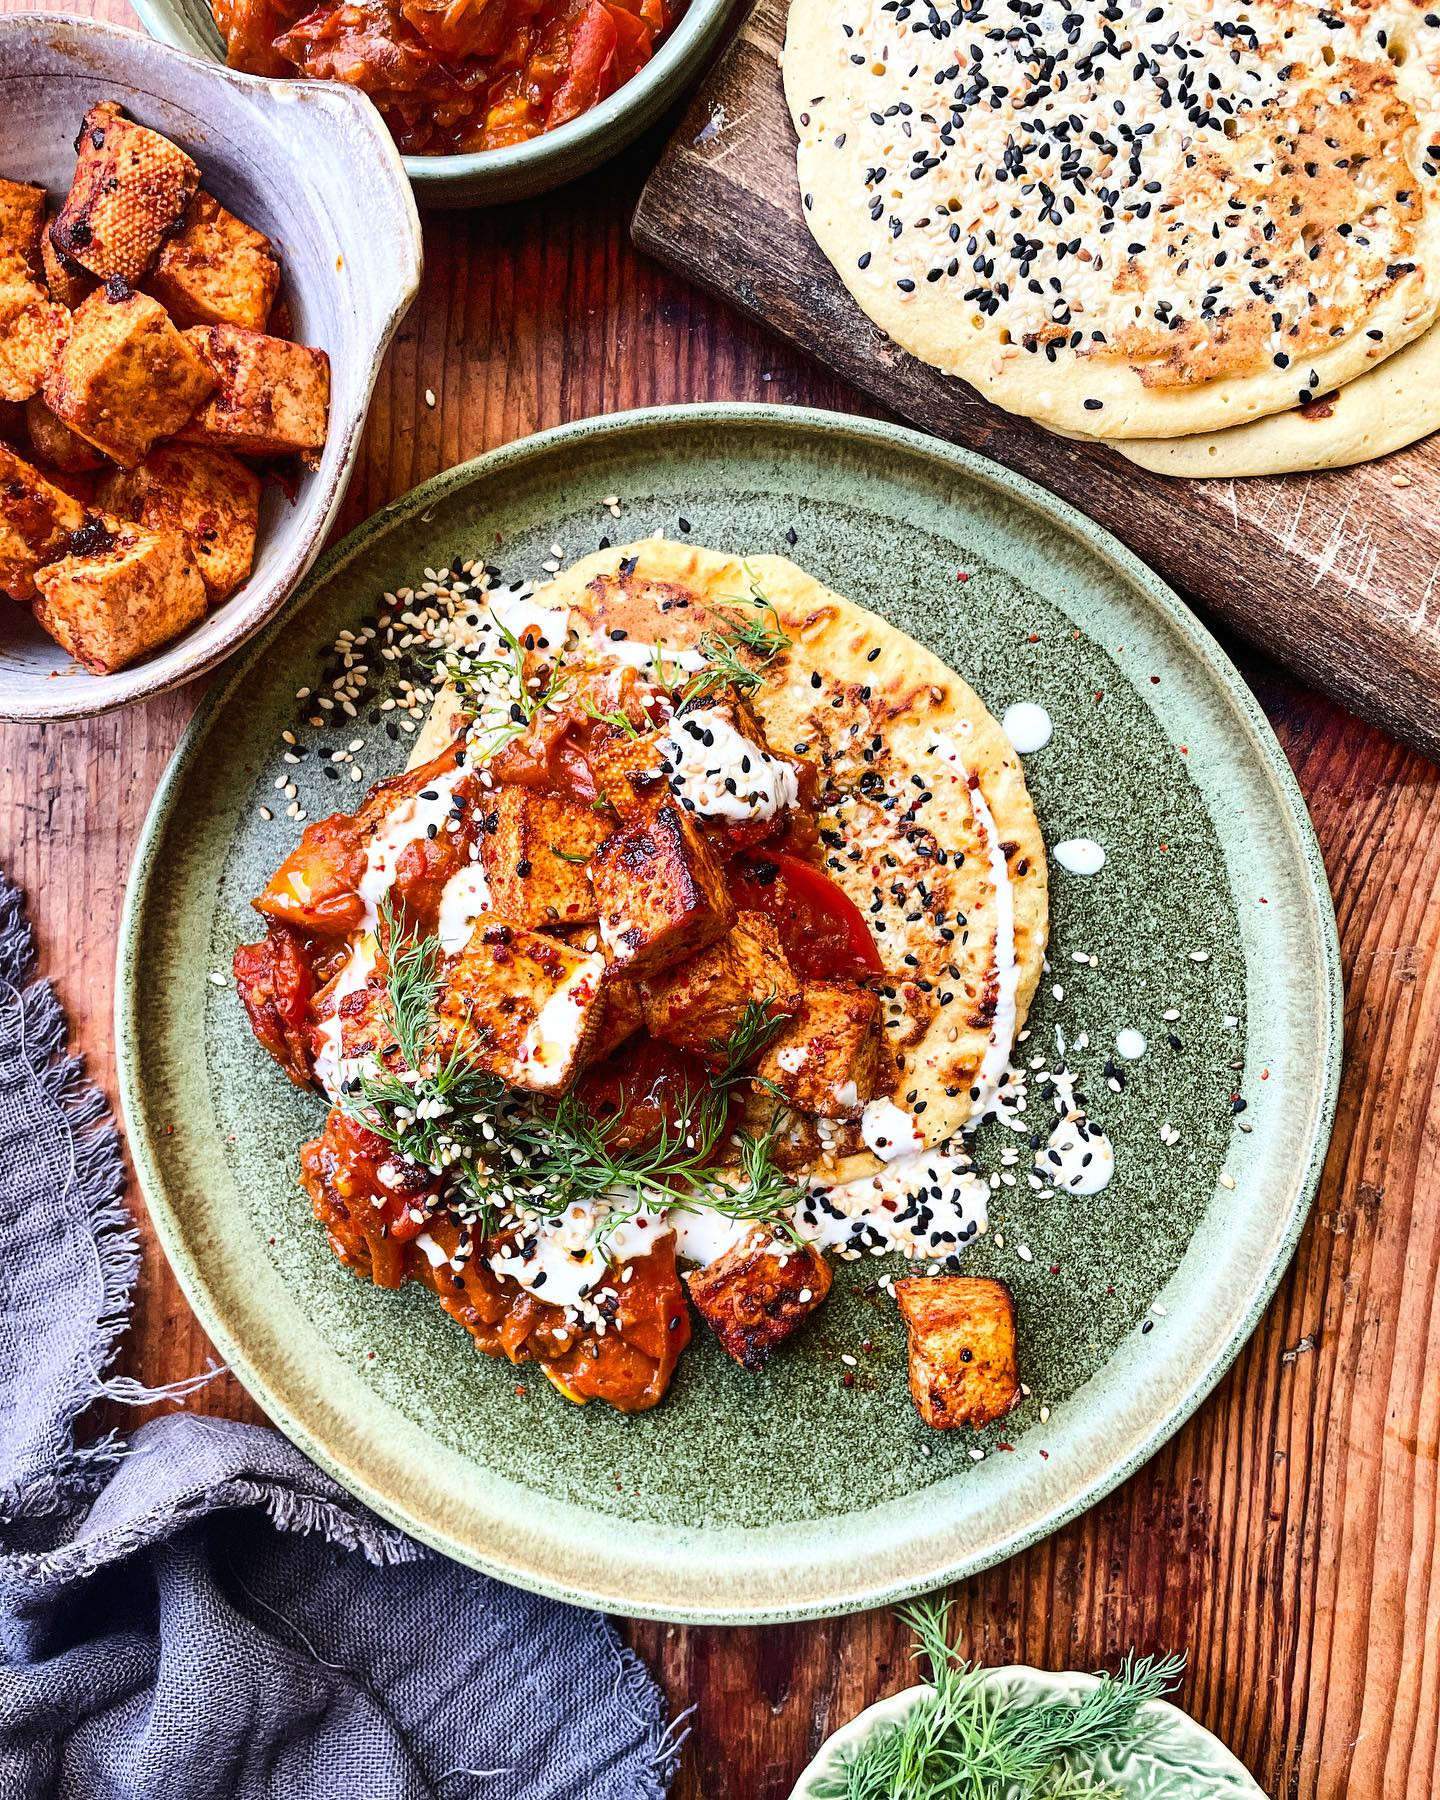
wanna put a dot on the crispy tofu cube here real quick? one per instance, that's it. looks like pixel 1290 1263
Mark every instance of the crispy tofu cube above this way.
pixel 216 270
pixel 827 1059
pixel 207 496
pixel 535 848
pixel 623 1016
pixel 22 213
pixel 130 190
pixel 36 520
pixel 963 1368
pixel 126 378
pixel 628 771
pixel 756 1294
pixel 698 1005
pixel 523 1006
pixel 32 327
pixel 67 281
pixel 119 594
pixel 55 443
pixel 661 892
pixel 272 398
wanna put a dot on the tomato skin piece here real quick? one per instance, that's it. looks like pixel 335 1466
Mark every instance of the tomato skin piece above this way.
pixel 276 985
pixel 822 931
pixel 644 1087
pixel 315 889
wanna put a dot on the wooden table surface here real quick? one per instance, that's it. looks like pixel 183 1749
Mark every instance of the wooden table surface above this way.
pixel 1287 1537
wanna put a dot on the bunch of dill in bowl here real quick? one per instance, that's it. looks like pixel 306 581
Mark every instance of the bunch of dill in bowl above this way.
pixel 1023 1734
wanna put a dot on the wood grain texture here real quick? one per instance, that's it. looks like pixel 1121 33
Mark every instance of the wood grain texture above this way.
pixel 1336 575
pixel 1287 1536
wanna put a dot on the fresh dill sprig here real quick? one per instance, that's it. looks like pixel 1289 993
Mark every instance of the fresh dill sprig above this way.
pixel 968 1741
pixel 738 654
pixel 500 1148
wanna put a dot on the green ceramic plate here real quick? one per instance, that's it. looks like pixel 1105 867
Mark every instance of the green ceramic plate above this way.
pixel 1170 1757
pixel 815 1488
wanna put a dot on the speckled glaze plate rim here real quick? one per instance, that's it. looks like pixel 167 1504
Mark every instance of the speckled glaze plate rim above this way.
pixel 1207 1759
pixel 692 1581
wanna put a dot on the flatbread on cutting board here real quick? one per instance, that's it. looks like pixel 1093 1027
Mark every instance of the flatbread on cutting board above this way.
pixel 1162 219
pixel 919 782
pixel 1385 410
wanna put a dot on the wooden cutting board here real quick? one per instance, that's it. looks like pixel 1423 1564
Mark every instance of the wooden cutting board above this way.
pixel 1336 575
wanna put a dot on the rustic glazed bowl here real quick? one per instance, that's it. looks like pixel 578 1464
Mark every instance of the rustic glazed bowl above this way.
pixel 309 164
pixel 1171 1758
pixel 492 177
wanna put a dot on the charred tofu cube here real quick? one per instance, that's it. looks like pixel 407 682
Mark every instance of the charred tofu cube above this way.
pixel 207 496
pixel 55 443
pixel 67 281
pixel 22 213
pixel 963 1368
pixel 36 520
pixel 216 270
pixel 698 1005
pixel 535 848
pixel 119 594
pixel 32 327
pixel 628 770
pixel 759 1292
pixel 126 378
pixel 130 190
pixel 272 398
pixel 523 1006
pixel 827 1059
pixel 661 892
pixel 623 1016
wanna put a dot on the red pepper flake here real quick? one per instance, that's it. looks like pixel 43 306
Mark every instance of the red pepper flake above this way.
pixel 1034 638
pixel 962 574
pixel 1164 846
pixel 1154 681
pixel 1184 749
pixel 1045 1455
pixel 169 1131
pixel 1009 1447
pixel 1054 1268
pixel 848 1379
pixel 520 1389
pixel 1264 901
pixel 1264 1074
pixel 1099 694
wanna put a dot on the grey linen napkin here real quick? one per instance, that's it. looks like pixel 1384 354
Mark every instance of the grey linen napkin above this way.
pixel 198 1613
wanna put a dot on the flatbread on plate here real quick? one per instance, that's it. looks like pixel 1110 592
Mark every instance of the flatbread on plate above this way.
pixel 920 785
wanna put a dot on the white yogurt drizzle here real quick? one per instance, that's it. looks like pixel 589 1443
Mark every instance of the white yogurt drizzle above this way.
pixel 1007 968
pixel 1079 1158
pixel 332 1066
pixel 889 1130
pixel 924 1204
pixel 463 900
pixel 559 1260
pixel 406 822
pixel 1028 726
pixel 719 773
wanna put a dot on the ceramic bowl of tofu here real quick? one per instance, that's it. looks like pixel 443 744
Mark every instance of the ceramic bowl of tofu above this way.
pixel 174 381
pixel 522 170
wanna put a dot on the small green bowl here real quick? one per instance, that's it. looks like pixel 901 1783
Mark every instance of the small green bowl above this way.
pixel 491 177
pixel 1171 1757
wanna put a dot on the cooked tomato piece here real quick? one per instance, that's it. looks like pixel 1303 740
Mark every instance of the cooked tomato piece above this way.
pixel 276 983
pixel 822 931
pixel 370 1201
pixel 644 1086
pixel 316 889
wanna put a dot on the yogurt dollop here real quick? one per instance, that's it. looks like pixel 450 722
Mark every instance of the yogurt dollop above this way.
pixel 1028 726
pixel 1081 856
